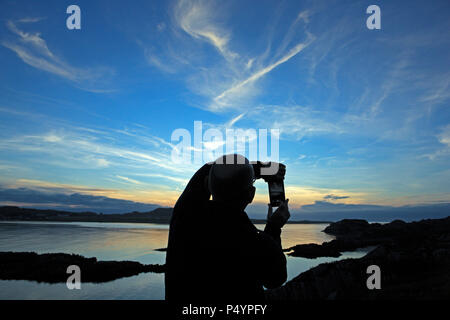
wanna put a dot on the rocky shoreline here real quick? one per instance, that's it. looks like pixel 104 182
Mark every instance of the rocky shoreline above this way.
pixel 414 259
pixel 52 267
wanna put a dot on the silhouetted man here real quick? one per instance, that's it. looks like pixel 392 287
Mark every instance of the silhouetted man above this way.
pixel 215 253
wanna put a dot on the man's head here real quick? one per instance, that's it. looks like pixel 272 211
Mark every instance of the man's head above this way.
pixel 231 180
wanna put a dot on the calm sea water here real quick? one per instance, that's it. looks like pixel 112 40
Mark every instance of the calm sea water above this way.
pixel 121 241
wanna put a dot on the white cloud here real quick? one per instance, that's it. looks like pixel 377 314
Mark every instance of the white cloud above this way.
pixel 51 137
pixel 250 63
pixel 74 149
pixel 230 123
pixel 303 16
pixel 33 50
pixel 439 91
pixel 296 122
pixel 161 26
pixel 156 61
pixel 103 163
pixel 230 83
pixel 30 19
pixel 199 20
pixel 128 179
pixel 225 99
pixel 444 136
pixel 182 181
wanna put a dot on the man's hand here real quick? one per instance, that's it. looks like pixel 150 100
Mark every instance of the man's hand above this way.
pixel 280 216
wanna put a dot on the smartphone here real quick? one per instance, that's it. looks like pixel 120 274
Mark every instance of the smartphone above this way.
pixel 276 193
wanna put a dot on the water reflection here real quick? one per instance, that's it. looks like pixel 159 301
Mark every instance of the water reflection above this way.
pixel 302 233
pixel 120 241
pixel 107 242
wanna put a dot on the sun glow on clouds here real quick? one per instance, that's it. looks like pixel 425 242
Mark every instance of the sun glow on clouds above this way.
pixel 162 195
pixel 302 195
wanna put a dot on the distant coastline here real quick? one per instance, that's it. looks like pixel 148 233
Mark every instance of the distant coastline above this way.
pixel 157 216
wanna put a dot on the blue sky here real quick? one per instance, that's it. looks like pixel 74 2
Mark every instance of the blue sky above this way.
pixel 363 114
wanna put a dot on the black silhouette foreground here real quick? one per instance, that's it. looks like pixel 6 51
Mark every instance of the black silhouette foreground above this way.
pixel 52 267
pixel 215 253
pixel 414 259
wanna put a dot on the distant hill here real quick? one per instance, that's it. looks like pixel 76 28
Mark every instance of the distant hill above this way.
pixel 159 215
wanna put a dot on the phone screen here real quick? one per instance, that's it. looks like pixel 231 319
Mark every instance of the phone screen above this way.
pixel 276 193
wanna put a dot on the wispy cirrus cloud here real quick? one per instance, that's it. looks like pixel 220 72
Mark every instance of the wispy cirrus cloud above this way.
pixel 444 136
pixel 226 98
pixel 199 20
pixel 126 179
pixel 438 93
pixel 156 61
pixel 182 181
pixel 295 122
pixel 85 149
pixel 231 83
pixel 31 19
pixel 444 139
pixel 122 154
pixel 33 50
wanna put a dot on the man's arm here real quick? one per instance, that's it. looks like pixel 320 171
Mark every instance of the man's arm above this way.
pixel 273 260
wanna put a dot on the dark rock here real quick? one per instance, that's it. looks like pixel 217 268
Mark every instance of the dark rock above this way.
pixel 414 259
pixel 52 267
pixel 347 226
pixel 355 234
pixel 312 250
